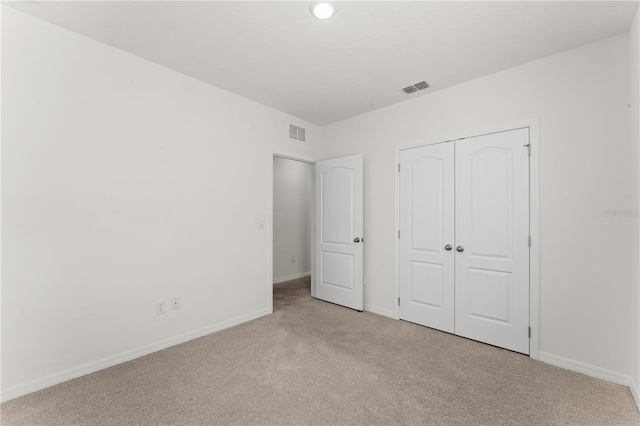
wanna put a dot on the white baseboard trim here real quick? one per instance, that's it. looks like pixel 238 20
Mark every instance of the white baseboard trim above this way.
pixel 291 277
pixel 587 369
pixel 378 311
pixel 634 391
pixel 593 371
pixel 91 367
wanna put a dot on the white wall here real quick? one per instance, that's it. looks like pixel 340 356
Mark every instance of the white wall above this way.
pixel 124 183
pixel 291 219
pixel 580 98
pixel 634 114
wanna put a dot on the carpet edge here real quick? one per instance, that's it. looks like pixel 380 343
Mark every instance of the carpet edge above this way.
pixel 586 369
pixel 122 357
pixel 593 371
pixel 378 311
pixel 633 386
pixel 291 277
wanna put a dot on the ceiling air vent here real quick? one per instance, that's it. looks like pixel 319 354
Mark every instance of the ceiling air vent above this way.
pixel 297 133
pixel 417 86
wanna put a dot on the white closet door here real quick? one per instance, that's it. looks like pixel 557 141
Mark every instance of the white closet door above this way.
pixel 426 226
pixel 492 230
pixel 339 224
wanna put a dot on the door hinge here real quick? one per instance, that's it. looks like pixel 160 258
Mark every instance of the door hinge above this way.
pixel 398 301
pixel 528 146
pixel 529 240
pixel 529 332
pixel 398 167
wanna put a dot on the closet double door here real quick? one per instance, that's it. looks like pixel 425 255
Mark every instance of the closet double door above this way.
pixel 464 238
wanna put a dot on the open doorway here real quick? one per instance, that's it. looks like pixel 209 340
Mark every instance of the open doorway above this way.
pixel 292 228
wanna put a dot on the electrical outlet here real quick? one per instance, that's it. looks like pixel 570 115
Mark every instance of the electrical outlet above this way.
pixel 161 307
pixel 175 303
pixel 293 259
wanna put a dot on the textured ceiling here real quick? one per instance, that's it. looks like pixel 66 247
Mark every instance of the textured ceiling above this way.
pixel 277 54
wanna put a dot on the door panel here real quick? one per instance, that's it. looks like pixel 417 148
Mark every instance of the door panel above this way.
pixel 337 269
pixel 339 220
pixel 426 224
pixel 489 295
pixel 337 193
pixel 430 291
pixel 492 226
pixel 491 201
pixel 426 195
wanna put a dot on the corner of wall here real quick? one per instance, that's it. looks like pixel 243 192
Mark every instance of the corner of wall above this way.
pixel 633 387
pixel 634 120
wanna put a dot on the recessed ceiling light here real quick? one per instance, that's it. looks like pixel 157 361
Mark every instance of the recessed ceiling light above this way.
pixel 321 10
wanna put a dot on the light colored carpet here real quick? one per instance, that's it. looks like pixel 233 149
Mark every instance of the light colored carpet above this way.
pixel 312 362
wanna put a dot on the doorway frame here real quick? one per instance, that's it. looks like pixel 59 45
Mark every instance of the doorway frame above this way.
pixel 534 220
pixel 301 159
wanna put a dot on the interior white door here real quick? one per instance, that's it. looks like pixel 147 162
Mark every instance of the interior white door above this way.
pixel 492 233
pixel 427 236
pixel 339 226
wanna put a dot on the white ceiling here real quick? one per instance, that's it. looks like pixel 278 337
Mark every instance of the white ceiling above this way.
pixel 277 54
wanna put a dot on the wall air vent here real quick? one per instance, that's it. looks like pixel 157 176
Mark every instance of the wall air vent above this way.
pixel 297 133
pixel 415 87
pixel 293 131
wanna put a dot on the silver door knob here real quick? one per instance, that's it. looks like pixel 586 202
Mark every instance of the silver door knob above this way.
pixel 356 240
pixel 448 247
pixel 460 249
